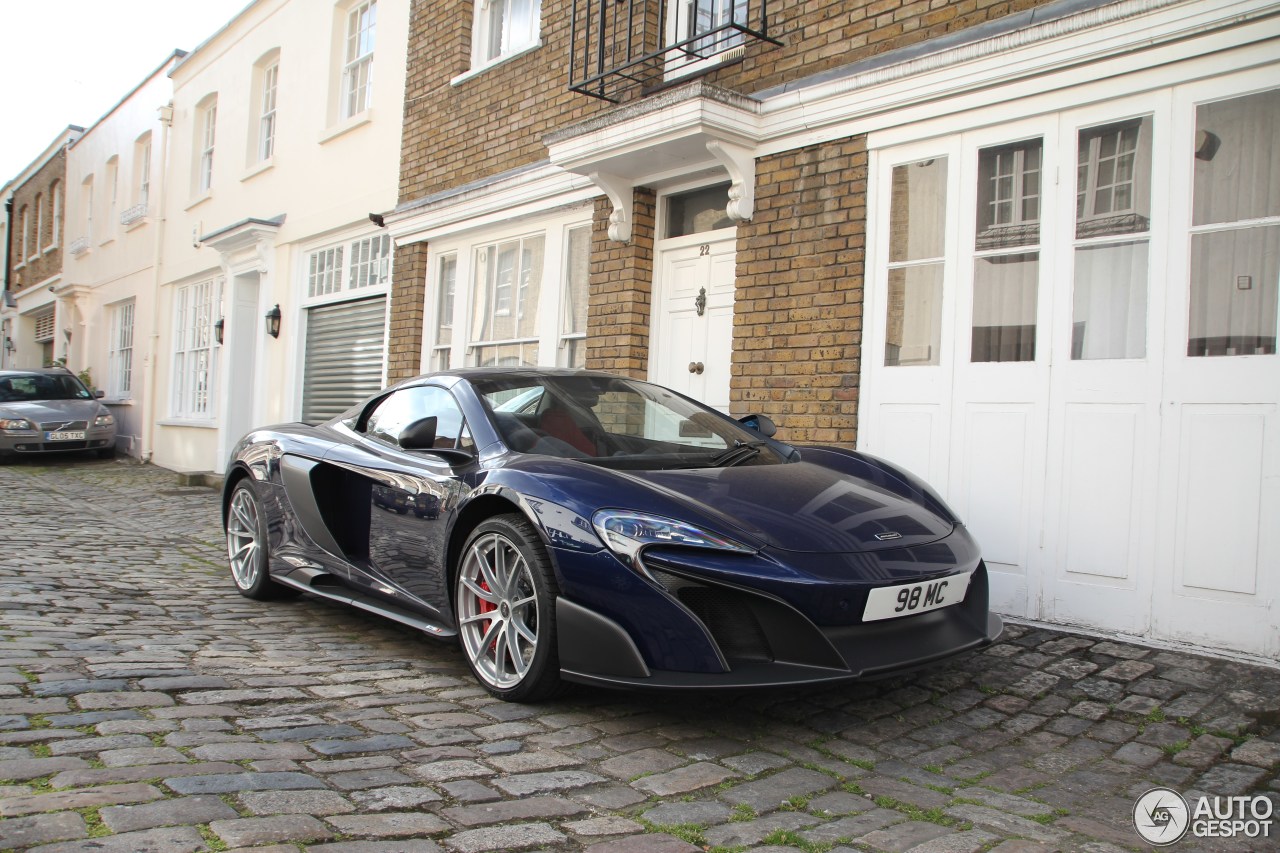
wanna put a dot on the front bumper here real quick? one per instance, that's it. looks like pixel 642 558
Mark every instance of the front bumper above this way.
pixel 760 640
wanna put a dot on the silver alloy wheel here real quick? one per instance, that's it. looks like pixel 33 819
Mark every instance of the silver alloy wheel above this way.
pixel 243 547
pixel 497 611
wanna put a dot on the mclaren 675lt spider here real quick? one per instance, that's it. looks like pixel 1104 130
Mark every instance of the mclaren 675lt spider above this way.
pixel 571 526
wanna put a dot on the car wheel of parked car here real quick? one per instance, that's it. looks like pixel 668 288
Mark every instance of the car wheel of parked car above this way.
pixel 246 530
pixel 505 594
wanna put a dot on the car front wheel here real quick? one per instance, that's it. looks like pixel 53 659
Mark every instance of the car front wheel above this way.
pixel 246 529
pixel 505 592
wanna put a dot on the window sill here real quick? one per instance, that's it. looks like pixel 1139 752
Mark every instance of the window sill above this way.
pixel 107 242
pixel 137 223
pixel 179 422
pixel 19 266
pixel 51 249
pixel 346 126
pixel 199 200
pixel 702 66
pixel 492 63
pixel 258 168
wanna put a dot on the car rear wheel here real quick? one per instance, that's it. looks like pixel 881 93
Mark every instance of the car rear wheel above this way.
pixel 505 592
pixel 246 529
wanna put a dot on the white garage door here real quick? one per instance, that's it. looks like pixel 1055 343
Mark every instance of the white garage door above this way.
pixel 1072 332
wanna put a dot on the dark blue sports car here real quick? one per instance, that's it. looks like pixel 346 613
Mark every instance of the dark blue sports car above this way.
pixel 586 527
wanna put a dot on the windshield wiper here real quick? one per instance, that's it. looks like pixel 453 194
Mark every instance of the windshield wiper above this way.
pixel 741 451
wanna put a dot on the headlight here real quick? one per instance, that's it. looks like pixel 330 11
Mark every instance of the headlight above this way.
pixel 103 420
pixel 625 533
pixel 15 423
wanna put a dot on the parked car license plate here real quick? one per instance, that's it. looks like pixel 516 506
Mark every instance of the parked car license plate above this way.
pixel 64 436
pixel 889 602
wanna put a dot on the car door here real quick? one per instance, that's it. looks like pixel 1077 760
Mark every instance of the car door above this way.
pixel 411 495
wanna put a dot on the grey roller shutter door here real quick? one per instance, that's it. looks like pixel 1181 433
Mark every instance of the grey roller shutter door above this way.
pixel 345 344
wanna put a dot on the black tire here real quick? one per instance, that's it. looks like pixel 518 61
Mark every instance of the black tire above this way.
pixel 247 546
pixel 524 605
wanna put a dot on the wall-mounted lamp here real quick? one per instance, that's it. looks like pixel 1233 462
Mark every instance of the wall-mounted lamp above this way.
pixel 218 329
pixel 273 322
pixel 8 344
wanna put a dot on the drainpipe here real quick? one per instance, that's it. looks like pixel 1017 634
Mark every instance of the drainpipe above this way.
pixel 157 263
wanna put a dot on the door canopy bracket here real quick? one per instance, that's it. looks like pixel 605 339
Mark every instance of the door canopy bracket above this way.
pixel 622 196
pixel 740 162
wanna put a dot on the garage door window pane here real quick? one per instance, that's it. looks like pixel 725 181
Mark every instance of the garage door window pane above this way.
pixel 1009 195
pixel 918 211
pixel 1113 179
pixel 1234 276
pixel 1237 161
pixel 914 333
pixel 1109 305
pixel 1004 307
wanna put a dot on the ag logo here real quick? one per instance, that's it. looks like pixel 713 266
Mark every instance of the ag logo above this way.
pixel 1161 816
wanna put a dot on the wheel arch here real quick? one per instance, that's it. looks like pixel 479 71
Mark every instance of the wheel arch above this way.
pixel 480 508
pixel 237 473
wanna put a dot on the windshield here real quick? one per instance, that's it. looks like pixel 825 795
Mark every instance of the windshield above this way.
pixel 618 423
pixel 30 387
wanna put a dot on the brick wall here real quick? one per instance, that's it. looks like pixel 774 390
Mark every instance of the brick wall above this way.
pixel 621 285
pixel 404 340
pixel 797 328
pixel 41 184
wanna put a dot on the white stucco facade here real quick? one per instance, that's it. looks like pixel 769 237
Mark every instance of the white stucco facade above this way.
pixel 115 179
pixel 286 136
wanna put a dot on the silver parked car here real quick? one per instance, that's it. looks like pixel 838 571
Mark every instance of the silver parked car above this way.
pixel 50 410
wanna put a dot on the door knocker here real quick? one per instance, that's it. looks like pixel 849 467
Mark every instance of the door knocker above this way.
pixel 700 302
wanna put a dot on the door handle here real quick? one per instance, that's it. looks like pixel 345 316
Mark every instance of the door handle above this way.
pixel 695 367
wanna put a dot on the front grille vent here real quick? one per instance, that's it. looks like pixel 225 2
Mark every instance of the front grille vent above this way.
pixel 727 614
pixel 53 426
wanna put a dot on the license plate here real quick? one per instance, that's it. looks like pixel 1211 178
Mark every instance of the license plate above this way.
pixel 64 436
pixel 889 602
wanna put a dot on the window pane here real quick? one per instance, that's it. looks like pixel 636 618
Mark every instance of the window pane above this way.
pixel 914 334
pixel 918 210
pixel 698 210
pixel 1237 161
pixel 1109 317
pixel 1009 195
pixel 530 287
pixel 577 268
pixel 1113 184
pixel 505 355
pixel 445 289
pixel 1234 277
pixel 1004 307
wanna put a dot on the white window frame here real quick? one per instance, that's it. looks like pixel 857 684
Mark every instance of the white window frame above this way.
pixel 24 256
pixel 196 308
pixel 445 301
pixel 35 246
pixel 490 48
pixel 120 351
pixel 86 198
pixel 267 112
pixel 679 28
pixel 142 160
pixel 113 190
pixel 55 235
pixel 206 137
pixel 331 272
pixel 464 247
pixel 356 92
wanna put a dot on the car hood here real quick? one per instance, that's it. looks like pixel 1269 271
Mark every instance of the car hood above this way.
pixel 810 507
pixel 46 411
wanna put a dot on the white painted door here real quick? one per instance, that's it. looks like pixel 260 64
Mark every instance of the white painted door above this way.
pixel 1219 507
pixel 1102 460
pixel 693 316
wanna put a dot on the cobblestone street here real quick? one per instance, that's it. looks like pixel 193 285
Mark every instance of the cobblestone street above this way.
pixel 146 706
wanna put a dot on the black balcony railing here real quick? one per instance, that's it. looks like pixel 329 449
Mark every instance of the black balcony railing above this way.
pixel 620 44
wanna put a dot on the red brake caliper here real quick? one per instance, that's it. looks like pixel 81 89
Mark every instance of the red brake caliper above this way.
pixel 485 607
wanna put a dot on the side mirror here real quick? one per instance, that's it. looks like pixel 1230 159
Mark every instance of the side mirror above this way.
pixel 99 394
pixel 419 435
pixel 760 423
